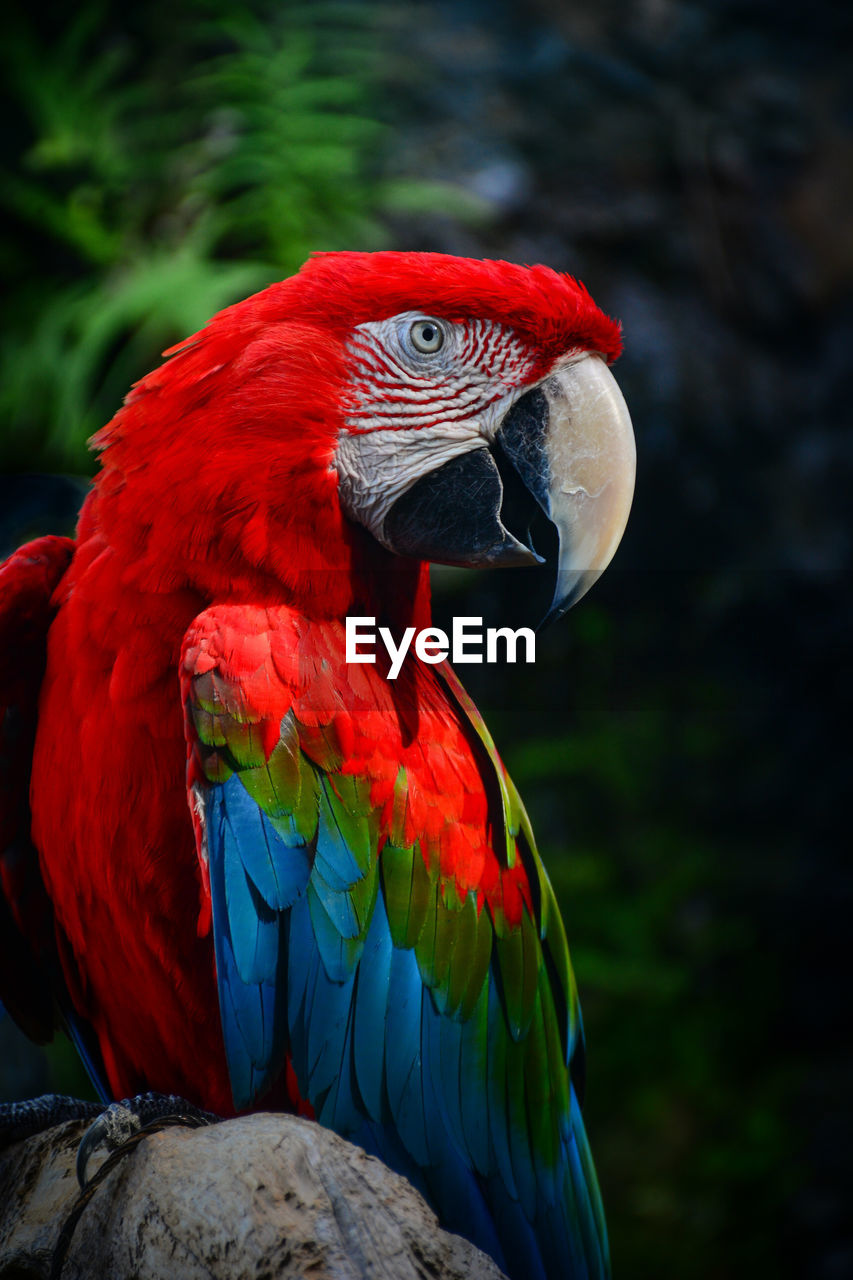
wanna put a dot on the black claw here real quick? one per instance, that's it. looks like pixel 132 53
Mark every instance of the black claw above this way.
pixel 118 1128
pixel 111 1129
pixel 121 1122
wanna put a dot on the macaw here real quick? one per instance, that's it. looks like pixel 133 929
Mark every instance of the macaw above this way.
pixel 260 876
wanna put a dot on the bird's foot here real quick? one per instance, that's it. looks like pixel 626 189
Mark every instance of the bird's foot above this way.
pixel 19 1120
pixel 120 1125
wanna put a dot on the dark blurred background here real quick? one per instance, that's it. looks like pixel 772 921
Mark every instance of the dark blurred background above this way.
pixel 680 742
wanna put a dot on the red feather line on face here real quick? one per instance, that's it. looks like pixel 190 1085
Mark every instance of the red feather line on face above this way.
pixel 489 363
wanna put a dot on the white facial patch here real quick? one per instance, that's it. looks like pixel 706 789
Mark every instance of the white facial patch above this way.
pixel 376 468
pixel 411 411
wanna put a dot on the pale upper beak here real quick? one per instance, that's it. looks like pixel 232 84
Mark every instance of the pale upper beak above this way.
pixel 566 446
pixel 573 448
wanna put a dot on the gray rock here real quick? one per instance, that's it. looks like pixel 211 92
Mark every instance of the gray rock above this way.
pixel 262 1196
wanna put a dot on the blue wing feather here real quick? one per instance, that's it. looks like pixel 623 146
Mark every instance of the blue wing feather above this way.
pixel 337 906
pixel 403 1053
pixel 450 1057
pixel 496 1091
pixel 303 962
pixel 278 867
pixel 80 1035
pixel 334 859
pixel 253 927
pixel 473 1065
pixel 371 1012
pixel 331 1010
pixel 341 1109
pixel 252 1020
pixel 520 1245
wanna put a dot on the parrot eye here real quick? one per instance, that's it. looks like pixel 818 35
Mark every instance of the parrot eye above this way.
pixel 427 336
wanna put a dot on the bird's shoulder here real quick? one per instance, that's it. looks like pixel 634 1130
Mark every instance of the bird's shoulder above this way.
pixel 275 712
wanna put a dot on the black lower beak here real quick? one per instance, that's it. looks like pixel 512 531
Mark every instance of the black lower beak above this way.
pixel 467 512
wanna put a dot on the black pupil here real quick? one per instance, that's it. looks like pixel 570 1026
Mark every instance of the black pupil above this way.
pixel 428 333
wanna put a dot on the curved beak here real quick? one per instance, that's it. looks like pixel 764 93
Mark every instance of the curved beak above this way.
pixel 571 442
pixel 465 498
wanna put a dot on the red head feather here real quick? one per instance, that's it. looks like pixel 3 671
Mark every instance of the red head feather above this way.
pixel 550 311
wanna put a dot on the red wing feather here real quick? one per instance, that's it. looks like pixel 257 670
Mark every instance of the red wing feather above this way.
pixel 28 580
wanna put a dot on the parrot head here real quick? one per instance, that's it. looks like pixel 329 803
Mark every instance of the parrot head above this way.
pixel 427 403
pixel 485 396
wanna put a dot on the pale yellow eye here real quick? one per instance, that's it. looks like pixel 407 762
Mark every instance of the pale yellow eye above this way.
pixel 427 336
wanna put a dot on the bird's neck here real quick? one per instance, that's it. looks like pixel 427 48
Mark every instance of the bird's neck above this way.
pixel 273 556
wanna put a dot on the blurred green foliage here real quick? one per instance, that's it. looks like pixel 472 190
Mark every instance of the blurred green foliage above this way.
pixel 152 182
